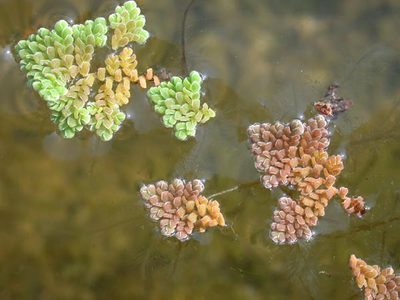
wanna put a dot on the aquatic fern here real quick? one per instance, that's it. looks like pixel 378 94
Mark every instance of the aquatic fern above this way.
pixel 106 119
pixel 128 24
pixel 116 78
pixel 53 58
pixel 47 58
pixel 376 282
pixel 180 209
pixel 88 36
pixel 57 63
pixel 179 102
pixel 296 155
pixel 70 112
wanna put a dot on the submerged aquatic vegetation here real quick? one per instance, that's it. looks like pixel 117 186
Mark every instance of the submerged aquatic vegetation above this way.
pixel 295 155
pixel 180 208
pixel 377 283
pixel 178 101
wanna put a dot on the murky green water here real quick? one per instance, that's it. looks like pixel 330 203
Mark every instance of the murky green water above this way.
pixel 72 225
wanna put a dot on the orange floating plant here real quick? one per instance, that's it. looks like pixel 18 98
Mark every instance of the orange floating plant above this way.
pixel 295 155
pixel 377 283
pixel 180 208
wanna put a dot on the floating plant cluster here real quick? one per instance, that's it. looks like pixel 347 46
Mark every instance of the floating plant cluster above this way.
pixel 114 92
pixel 377 283
pixel 180 208
pixel 128 24
pixel 295 155
pixel 178 101
pixel 53 58
pixel 57 63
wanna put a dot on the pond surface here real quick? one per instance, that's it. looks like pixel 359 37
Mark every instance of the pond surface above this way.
pixel 72 224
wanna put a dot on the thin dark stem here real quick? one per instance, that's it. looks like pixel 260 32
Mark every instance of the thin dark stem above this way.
pixel 111 226
pixel 362 228
pixel 357 63
pixel 181 246
pixel 306 288
pixel 237 187
pixel 223 192
pixel 183 36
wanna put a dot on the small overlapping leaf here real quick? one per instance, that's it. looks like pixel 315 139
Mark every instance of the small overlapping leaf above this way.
pixel 47 58
pixel 116 77
pixel 88 36
pixel 70 112
pixel 128 24
pixel 106 118
pixel 53 58
pixel 178 101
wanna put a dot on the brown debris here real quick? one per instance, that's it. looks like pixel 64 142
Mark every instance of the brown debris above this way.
pixel 164 74
pixel 352 205
pixel 377 283
pixel 332 105
pixel 180 208
pixel 295 155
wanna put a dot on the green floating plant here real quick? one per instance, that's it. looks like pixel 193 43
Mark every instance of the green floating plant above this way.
pixel 70 112
pixel 47 58
pixel 53 58
pixel 57 63
pixel 128 24
pixel 179 102
pixel 88 36
pixel 106 119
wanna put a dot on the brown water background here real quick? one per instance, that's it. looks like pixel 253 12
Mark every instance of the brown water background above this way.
pixel 72 225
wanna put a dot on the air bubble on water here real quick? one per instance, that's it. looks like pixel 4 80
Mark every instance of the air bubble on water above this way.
pixel 6 54
pixel 6 51
pixel 69 20
pixel 342 153
pixel 204 75
pixel 129 116
pixel 130 111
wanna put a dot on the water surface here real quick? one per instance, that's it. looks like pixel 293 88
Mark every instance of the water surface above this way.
pixel 72 225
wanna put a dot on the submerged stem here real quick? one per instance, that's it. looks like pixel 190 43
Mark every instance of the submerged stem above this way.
pixel 223 192
pixel 237 187
pixel 183 37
